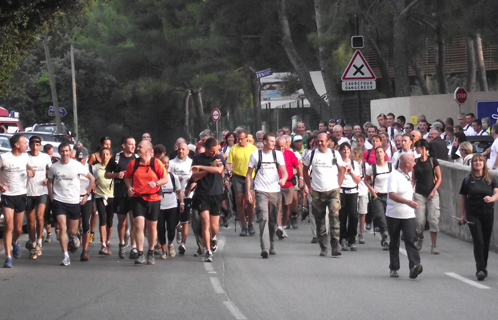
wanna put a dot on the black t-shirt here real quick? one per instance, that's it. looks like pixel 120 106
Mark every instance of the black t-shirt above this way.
pixel 120 190
pixel 475 189
pixel 424 175
pixel 212 183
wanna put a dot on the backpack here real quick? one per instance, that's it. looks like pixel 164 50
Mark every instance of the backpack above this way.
pixel 172 177
pixel 374 170
pixel 152 166
pixel 260 160
pixel 334 160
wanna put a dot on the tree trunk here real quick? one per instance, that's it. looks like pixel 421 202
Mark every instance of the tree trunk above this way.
pixel 471 65
pixel 256 99
pixel 440 49
pixel 53 87
pixel 323 23
pixel 297 62
pixel 481 68
pixel 385 79
pixel 186 101
pixel 199 109
pixel 400 55
pixel 420 77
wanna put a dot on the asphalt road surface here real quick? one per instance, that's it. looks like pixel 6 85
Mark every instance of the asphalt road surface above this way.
pixel 294 284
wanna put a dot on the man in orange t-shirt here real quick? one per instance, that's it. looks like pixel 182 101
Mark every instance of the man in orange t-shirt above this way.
pixel 143 183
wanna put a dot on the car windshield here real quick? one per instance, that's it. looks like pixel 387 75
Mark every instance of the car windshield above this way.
pixel 4 142
pixel 45 128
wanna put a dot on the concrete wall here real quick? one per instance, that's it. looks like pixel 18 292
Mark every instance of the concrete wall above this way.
pixel 453 175
pixel 438 106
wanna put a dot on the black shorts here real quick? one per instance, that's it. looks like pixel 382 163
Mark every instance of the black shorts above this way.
pixel 203 202
pixel 71 211
pixel 33 202
pixel 18 203
pixel 185 215
pixel 122 205
pixel 148 209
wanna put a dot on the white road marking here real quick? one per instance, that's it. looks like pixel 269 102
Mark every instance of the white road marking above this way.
pixel 467 281
pixel 234 310
pixel 216 285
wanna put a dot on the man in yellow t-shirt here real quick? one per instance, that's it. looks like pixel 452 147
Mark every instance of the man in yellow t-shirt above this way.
pixel 237 163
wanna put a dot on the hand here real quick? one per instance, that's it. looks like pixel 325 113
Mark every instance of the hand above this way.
pixel 195 169
pixel 131 191
pixel 413 204
pixel 152 184
pixel 30 171
pixel 488 199
pixel 281 182
pixel 3 188
pixel 121 174
pixel 300 184
pixel 431 195
pixel 249 198
pixel 182 208
pixel 45 182
pixel 374 193
pixel 180 178
pixel 84 199
pixel 217 163
pixel 348 167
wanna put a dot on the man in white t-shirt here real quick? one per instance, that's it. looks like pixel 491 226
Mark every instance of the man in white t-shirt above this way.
pixel 14 172
pixel 37 196
pixel 180 167
pixel 492 162
pixel 400 216
pixel 326 179
pixel 267 163
pixel 64 191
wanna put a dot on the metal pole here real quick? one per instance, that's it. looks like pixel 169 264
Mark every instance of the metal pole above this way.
pixel 459 109
pixel 358 93
pixel 217 134
pixel 75 106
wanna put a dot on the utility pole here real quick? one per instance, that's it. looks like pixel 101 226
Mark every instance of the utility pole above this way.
pixel 75 106
pixel 53 89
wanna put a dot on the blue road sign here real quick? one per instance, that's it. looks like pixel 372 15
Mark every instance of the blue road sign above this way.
pixel 51 111
pixel 263 73
pixel 487 109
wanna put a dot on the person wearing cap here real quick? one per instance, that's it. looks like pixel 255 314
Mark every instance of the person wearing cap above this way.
pixel 13 178
pixel 297 143
pixel 86 207
pixel 437 146
pixel 37 196
pixel 64 190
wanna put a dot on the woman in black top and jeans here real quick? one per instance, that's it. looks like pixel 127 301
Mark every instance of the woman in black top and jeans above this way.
pixel 477 194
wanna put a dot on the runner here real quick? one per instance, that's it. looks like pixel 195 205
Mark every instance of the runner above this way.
pixel 64 192
pixel 143 178
pixel 13 178
pixel 180 167
pixel 267 183
pixel 207 169
pixel 116 169
pixel 237 165
pixel 37 196
pixel 104 201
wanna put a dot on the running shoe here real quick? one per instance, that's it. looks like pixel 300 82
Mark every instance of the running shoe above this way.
pixel 150 258
pixel 48 239
pixel 209 256
pixel 368 226
pixel 250 229
pixel 304 213
pixel 157 248
pixel 102 249
pixel 108 251
pixel 164 256
pixel 352 247
pixel 171 251
pixel 198 252
pixel 121 253
pixel 214 244
pixel 264 254
pixel 335 249
pixel 415 271
pixel 361 240
pixel 84 256
pixel 76 242
pixel 127 238
pixel 16 251
pixel 8 263
pixel 480 275
pixel 280 233
pixel 394 274
pixel 44 234
pixel 243 232
pixel 434 250
pixel 181 249
pixel 178 236
pixel 272 250
pixel 32 254
pixel 38 250
pixel 344 245
pixel 92 237
pixel 66 261
pixel 314 240
pixel 323 251
pixel 285 233
pixel 140 259
pixel 293 222
pixel 134 253
pixel 28 245
pixel 419 243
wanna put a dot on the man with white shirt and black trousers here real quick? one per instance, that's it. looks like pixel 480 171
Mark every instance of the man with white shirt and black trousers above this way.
pixel 267 183
pixel 326 179
pixel 467 128
pixel 400 216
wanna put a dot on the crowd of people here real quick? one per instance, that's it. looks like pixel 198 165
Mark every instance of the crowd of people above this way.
pixel 344 178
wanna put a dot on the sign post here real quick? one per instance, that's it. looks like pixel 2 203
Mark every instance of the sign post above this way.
pixel 216 116
pixel 358 74
pixel 51 111
pixel 460 96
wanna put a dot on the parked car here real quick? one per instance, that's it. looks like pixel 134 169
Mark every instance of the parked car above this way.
pixel 9 121
pixel 5 143
pixel 52 128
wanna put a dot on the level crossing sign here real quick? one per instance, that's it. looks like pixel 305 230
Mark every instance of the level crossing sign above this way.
pixel 358 74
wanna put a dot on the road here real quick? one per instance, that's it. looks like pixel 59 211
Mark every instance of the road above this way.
pixel 294 284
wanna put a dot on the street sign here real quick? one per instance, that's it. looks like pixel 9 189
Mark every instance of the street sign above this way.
pixel 263 73
pixel 216 114
pixel 487 109
pixel 358 74
pixel 460 95
pixel 51 111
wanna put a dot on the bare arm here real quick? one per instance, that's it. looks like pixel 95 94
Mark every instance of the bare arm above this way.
pixel 370 188
pixel 493 198
pixel 248 185
pixel 306 177
pixel 50 190
pixel 462 207
pixel 340 176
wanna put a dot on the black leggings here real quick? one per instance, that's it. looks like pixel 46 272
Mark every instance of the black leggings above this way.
pixel 105 212
pixel 481 235
pixel 168 220
pixel 86 213
pixel 348 211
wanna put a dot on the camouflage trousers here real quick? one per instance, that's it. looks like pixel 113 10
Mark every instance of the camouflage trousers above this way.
pixel 321 201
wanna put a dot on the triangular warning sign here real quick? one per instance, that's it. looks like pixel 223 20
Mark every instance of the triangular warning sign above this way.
pixel 358 69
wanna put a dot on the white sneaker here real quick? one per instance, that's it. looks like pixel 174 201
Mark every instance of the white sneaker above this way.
pixel 66 261
pixel 178 236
